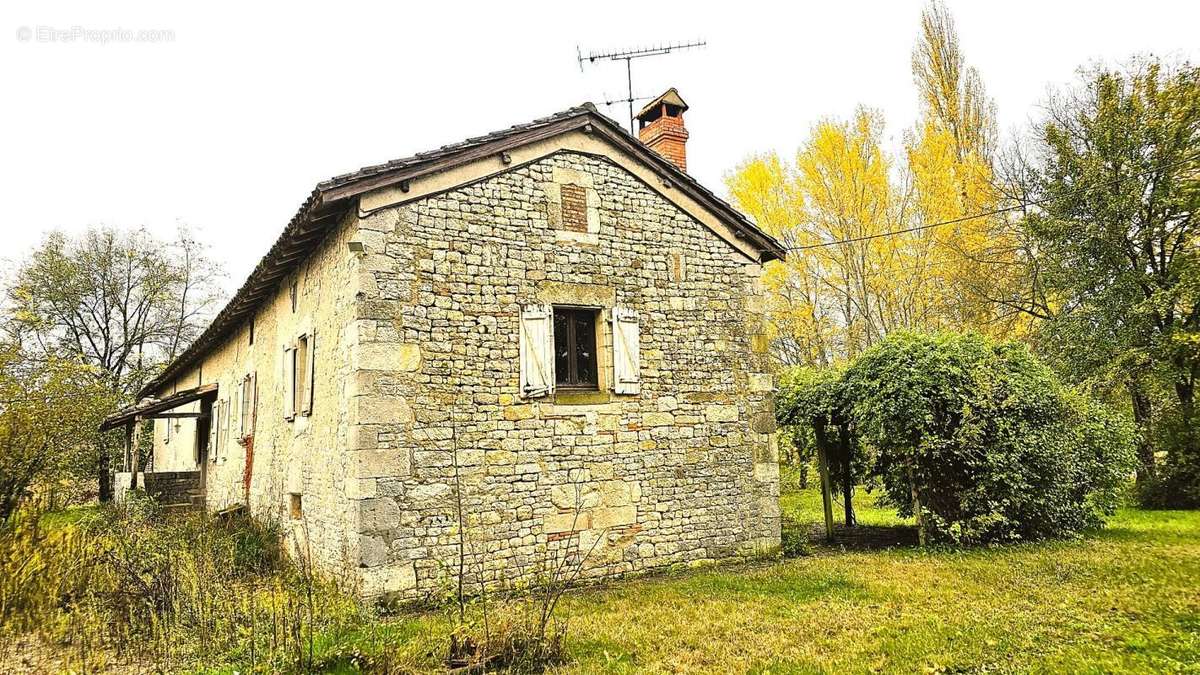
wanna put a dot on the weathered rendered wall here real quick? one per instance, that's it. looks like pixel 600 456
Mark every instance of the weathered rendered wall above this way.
pixel 305 456
pixel 685 472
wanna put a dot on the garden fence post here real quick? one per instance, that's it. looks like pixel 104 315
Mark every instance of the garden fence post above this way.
pixel 823 464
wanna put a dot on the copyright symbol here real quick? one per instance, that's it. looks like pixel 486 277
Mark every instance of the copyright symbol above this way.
pixel 24 33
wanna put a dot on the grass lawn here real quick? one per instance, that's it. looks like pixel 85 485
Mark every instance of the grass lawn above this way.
pixel 1126 598
pixel 1123 599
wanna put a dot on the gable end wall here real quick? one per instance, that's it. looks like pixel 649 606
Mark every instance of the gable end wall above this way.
pixel 685 472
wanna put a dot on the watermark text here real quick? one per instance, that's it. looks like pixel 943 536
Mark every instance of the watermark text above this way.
pixel 89 35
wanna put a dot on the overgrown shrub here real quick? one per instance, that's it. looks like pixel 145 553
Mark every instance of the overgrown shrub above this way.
pixel 135 584
pixel 994 447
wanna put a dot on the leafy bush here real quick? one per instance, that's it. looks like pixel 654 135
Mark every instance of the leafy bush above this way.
pixel 809 393
pixel 995 447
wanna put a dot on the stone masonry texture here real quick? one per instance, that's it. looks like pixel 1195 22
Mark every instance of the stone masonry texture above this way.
pixel 683 473
pixel 418 437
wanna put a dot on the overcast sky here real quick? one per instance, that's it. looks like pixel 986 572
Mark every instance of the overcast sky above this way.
pixel 227 122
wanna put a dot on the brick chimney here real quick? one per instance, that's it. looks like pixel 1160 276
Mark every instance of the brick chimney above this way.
pixel 660 126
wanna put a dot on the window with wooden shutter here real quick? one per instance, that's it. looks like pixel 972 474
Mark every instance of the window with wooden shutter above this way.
pixel 235 408
pixel 310 373
pixel 575 348
pixel 223 427
pixel 626 361
pixel 249 404
pixel 252 388
pixel 537 351
pixel 289 383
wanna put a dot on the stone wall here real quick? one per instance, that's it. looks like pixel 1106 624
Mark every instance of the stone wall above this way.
pixel 170 488
pixel 683 473
pixel 305 455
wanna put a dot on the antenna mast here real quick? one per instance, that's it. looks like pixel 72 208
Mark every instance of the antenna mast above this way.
pixel 628 56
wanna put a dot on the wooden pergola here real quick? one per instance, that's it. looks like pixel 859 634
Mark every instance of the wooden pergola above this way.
pixel 840 448
pixel 156 408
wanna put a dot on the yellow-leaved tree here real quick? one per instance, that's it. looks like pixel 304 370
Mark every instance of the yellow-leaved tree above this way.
pixel 973 259
pixel 848 282
pixel 799 324
pixel 878 244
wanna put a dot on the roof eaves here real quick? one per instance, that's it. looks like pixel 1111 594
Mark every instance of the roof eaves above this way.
pixel 330 198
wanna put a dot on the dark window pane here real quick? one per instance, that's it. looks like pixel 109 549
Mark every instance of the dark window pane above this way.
pixel 575 347
pixel 562 349
pixel 585 347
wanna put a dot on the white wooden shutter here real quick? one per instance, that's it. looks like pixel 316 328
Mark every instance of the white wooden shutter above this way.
pixel 235 408
pixel 252 385
pixel 214 430
pixel 537 351
pixel 289 383
pixel 626 361
pixel 310 382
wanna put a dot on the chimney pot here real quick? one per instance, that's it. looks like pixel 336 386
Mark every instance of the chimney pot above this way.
pixel 660 127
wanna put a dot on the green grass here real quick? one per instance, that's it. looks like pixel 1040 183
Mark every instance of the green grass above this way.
pixel 805 506
pixel 1126 598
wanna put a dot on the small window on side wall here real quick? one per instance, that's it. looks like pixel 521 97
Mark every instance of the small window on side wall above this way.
pixel 575 348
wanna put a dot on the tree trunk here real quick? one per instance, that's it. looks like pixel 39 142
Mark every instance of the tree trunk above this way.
pixel 1142 413
pixel 1185 389
pixel 134 440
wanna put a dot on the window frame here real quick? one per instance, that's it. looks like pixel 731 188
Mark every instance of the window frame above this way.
pixel 571 381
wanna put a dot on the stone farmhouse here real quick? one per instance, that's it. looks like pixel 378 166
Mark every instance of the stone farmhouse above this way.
pixel 544 333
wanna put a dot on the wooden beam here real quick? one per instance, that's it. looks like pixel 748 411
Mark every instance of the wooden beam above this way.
pixel 128 446
pixel 844 451
pixel 823 465
pixel 135 437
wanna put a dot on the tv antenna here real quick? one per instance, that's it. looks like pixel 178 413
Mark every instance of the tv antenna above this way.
pixel 628 56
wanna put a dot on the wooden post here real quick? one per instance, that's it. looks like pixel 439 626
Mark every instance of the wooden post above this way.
pixel 128 446
pixel 823 464
pixel 134 434
pixel 847 474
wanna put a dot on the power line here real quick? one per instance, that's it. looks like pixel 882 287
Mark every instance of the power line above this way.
pixel 985 214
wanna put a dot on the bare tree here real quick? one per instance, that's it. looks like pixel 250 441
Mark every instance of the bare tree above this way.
pixel 119 301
